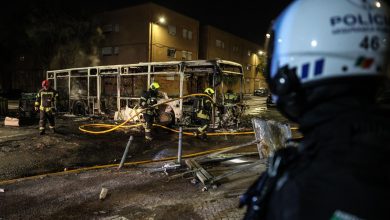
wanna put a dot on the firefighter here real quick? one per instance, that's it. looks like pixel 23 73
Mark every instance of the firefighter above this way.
pixel 203 108
pixel 148 99
pixel 45 102
pixel 326 61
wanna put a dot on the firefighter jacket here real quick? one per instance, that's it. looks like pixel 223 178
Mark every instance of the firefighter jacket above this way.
pixel 148 99
pixel 46 99
pixel 203 107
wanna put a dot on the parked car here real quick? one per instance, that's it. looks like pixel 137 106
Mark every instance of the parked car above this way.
pixel 261 92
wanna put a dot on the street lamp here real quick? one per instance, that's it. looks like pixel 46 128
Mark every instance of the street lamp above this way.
pixel 161 20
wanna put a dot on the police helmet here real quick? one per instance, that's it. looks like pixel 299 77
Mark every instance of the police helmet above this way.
pixel 316 41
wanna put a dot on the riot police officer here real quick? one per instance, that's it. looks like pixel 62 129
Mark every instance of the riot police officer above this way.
pixel 326 61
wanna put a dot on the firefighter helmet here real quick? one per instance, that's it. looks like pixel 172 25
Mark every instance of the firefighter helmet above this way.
pixel 45 84
pixel 154 86
pixel 209 91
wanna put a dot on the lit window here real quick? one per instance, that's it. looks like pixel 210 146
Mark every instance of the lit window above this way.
pixel 172 30
pixel 223 45
pixel 171 52
pixel 189 35
pixel 189 55
pixel 185 33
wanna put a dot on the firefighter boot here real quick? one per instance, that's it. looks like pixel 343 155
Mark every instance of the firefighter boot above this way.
pixel 203 136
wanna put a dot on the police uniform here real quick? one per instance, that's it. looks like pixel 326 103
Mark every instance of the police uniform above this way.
pixel 341 170
pixel 45 102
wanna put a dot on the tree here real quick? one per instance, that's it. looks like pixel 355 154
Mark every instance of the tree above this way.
pixel 63 34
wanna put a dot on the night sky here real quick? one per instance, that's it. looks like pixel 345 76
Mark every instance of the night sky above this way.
pixel 245 18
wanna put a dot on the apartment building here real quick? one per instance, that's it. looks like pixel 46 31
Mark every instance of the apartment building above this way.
pixel 146 33
pixel 216 43
pixel 149 32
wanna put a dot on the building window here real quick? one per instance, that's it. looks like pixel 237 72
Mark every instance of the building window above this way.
pixel 116 27
pixel 171 52
pixel 187 34
pixel 116 50
pixel 107 51
pixel 236 49
pixel 183 55
pixel 107 28
pixel 220 44
pixel 186 55
pixel 110 28
pixel 172 30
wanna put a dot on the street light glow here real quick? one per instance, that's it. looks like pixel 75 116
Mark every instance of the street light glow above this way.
pixel 378 4
pixel 161 20
pixel 267 35
pixel 261 52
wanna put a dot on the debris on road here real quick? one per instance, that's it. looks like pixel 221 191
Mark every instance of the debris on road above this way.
pixel 11 122
pixel 103 193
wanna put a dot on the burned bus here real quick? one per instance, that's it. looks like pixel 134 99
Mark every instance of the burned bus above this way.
pixel 115 90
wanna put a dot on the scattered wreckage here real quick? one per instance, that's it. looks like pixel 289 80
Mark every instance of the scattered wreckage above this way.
pixel 115 90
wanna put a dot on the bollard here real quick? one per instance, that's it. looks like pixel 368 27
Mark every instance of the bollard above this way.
pixel 179 150
pixel 126 151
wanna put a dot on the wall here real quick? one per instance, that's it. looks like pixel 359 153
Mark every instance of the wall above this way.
pixel 216 43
